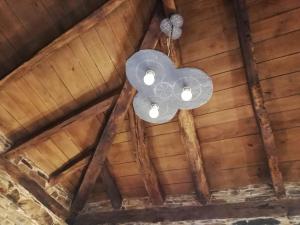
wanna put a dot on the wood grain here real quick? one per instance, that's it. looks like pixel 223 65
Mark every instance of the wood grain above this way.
pixel 260 112
pixel 142 151
pixel 220 211
pixel 188 130
pixel 118 114
pixel 97 106
pixel 68 36
pixel 193 151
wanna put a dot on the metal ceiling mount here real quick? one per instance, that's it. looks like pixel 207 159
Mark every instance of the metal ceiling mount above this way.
pixel 163 89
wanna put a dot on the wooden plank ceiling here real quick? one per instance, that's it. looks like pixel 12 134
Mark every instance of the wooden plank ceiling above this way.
pixel 27 26
pixel 92 65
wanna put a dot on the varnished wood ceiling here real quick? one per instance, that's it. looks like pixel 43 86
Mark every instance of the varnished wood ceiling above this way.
pixel 27 26
pixel 92 65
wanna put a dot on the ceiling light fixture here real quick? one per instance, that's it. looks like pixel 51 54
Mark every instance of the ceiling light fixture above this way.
pixel 172 26
pixel 162 89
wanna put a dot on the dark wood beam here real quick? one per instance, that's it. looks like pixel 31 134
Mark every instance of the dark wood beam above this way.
pixel 221 211
pixel 111 188
pixel 147 169
pixel 93 108
pixel 261 114
pixel 117 116
pixel 33 188
pixel 192 147
pixel 67 169
pixel 65 38
pixel 187 125
pixel 80 163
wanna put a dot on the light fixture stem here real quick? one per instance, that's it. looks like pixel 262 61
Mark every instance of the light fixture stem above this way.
pixel 169 42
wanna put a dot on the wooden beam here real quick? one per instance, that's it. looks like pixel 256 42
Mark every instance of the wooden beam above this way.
pixel 33 188
pixel 111 188
pixel 261 114
pixel 79 163
pixel 95 107
pixel 187 126
pixel 193 151
pixel 147 169
pixel 65 38
pixel 243 210
pixel 117 116
pixel 67 169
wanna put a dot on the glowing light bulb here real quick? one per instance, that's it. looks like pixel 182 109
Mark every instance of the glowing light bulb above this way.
pixel 149 77
pixel 186 94
pixel 154 111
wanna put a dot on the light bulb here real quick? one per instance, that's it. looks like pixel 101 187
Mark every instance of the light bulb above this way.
pixel 176 20
pixel 149 77
pixel 186 94
pixel 176 33
pixel 154 112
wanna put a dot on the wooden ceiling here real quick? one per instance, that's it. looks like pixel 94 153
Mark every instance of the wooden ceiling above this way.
pixel 28 26
pixel 57 96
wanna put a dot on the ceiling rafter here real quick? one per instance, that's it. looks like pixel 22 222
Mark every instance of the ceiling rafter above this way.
pixel 79 162
pixel 67 169
pixel 111 187
pixel 149 174
pixel 117 116
pixel 187 127
pixel 261 114
pixel 98 106
pixel 95 107
pixel 251 209
pixel 63 39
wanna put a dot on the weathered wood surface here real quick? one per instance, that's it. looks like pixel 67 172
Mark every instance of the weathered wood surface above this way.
pixel 187 127
pixel 69 168
pixel 220 211
pixel 192 146
pixel 33 188
pixel 261 114
pixel 117 116
pixel 147 169
pixel 111 188
pixel 68 36
pixel 95 107
pixel 79 163
pixel 226 125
